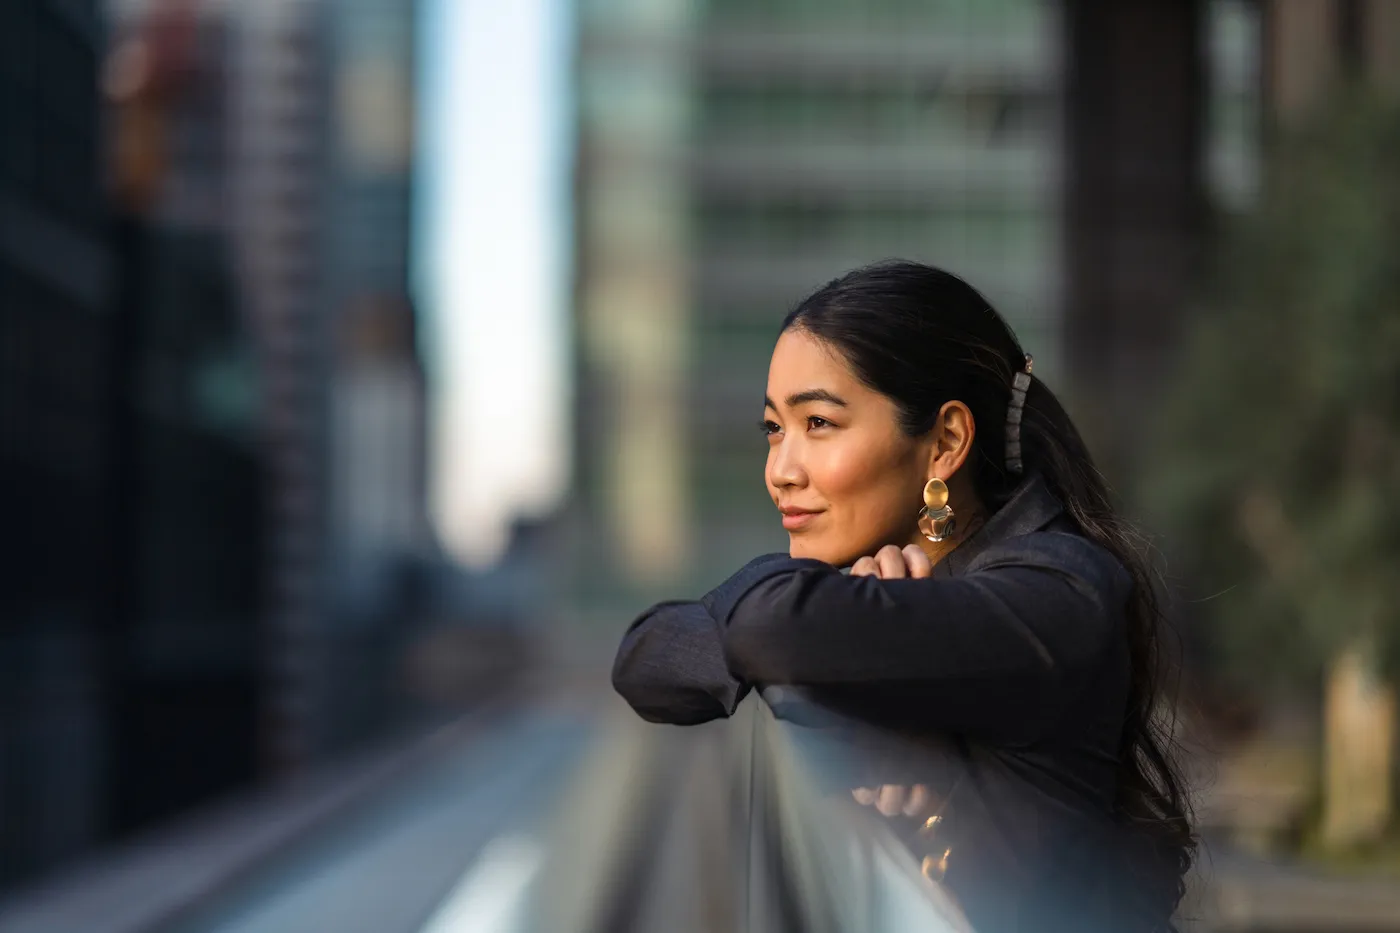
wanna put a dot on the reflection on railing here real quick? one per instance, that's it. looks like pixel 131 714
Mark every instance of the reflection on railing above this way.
pixel 850 869
pixel 741 825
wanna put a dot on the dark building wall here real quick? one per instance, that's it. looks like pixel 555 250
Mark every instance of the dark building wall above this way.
pixel 184 637
pixel 55 336
pixel 185 485
pixel 129 478
pixel 1134 204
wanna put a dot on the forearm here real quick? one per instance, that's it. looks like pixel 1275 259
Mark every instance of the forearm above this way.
pixel 670 667
pixel 992 651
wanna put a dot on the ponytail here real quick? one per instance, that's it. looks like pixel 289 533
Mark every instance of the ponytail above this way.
pixel 1151 797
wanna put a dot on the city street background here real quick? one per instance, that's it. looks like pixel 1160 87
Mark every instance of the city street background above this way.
pixel 367 365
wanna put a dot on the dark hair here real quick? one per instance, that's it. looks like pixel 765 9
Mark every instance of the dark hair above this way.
pixel 923 337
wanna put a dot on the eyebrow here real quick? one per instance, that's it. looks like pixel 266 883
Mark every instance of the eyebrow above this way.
pixel 807 395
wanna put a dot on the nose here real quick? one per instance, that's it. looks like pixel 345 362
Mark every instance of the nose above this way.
pixel 785 465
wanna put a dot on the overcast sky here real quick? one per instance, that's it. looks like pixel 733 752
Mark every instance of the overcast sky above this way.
pixel 491 266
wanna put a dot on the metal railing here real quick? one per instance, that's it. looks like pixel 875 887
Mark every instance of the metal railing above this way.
pixel 731 826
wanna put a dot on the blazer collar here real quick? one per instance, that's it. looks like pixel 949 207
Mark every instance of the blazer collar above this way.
pixel 1031 507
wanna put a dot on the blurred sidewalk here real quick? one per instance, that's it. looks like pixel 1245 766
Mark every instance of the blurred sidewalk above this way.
pixel 373 844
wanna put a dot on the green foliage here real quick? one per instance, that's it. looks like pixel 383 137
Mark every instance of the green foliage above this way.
pixel 1279 475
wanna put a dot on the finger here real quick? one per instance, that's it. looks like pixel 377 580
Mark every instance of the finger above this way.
pixel 891 800
pixel 917 561
pixel 865 567
pixel 891 562
pixel 864 796
pixel 918 800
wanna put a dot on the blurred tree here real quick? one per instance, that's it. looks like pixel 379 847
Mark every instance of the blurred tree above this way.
pixel 1280 472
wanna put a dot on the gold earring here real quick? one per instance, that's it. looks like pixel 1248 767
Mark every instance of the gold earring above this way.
pixel 936 518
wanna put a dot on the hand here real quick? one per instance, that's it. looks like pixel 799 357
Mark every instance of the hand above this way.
pixel 892 563
pixel 894 799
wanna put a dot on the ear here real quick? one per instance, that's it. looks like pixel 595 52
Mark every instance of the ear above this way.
pixel 953 434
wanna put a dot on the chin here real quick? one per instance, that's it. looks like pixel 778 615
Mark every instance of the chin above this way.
pixel 815 550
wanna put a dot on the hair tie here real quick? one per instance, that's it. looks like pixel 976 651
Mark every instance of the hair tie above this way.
pixel 1019 384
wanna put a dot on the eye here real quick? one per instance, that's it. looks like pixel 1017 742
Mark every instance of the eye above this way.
pixel 816 421
pixel 768 427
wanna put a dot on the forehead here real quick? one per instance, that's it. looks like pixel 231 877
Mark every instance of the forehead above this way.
pixel 801 362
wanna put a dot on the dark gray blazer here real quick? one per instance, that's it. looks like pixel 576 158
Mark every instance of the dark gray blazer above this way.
pixel 1007 670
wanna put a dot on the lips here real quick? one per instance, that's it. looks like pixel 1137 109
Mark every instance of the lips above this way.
pixel 797 519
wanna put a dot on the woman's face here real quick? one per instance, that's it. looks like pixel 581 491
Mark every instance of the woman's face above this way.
pixel 846 477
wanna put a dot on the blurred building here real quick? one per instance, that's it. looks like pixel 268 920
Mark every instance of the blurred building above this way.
pixel 277 140
pixel 734 156
pixel 211 407
pixel 1135 207
pixel 377 525
pixel 310 102
pixel 56 443
pixel 185 628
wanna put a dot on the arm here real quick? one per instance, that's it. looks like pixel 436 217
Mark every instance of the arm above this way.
pixel 670 666
pixel 995 651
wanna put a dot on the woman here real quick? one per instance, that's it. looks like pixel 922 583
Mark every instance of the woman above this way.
pixel 994 603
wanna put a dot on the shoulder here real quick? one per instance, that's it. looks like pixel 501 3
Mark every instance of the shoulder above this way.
pixel 1066 558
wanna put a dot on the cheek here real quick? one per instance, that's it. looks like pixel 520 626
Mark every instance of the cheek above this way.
pixel 866 489
pixel 839 472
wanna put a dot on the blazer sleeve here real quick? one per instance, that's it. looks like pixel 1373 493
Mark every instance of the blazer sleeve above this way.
pixel 995 651
pixel 670 666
